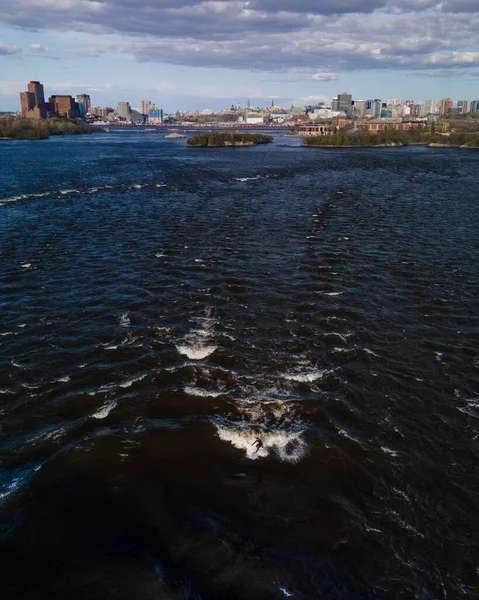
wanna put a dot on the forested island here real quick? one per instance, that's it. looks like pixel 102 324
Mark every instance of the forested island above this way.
pixel 12 128
pixel 214 140
pixel 389 138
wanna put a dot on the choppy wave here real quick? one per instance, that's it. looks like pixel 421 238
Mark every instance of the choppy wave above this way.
pixel 104 411
pixel 284 445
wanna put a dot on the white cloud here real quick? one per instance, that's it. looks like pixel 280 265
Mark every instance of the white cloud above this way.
pixel 324 77
pixel 6 49
pixel 38 48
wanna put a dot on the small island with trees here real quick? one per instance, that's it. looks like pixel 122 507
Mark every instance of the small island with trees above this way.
pixel 215 140
pixel 14 128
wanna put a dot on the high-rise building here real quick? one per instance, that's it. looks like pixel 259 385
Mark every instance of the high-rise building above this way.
pixel 64 106
pixel 428 108
pixel 345 102
pixel 462 106
pixel 124 110
pixel 32 102
pixel 392 102
pixel 84 104
pixel 376 107
pixel 146 106
pixel 36 88
pixel 474 106
pixel 445 106
pixel 335 104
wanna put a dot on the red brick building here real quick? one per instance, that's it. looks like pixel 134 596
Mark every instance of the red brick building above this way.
pixel 64 106
pixel 32 102
pixel 316 129
pixel 375 127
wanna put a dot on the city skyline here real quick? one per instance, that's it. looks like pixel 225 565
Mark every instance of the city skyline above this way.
pixel 195 55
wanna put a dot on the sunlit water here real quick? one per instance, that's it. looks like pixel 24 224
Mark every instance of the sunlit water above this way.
pixel 162 307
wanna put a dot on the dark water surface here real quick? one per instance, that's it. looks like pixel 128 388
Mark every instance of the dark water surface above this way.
pixel 163 306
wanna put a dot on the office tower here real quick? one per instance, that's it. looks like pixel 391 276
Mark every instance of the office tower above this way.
pixel 376 107
pixel 84 104
pixel 359 106
pixel 32 102
pixel 475 106
pixel 36 88
pixel 64 106
pixel 462 106
pixel 124 110
pixel 335 104
pixel 345 102
pixel 445 106
pixel 27 102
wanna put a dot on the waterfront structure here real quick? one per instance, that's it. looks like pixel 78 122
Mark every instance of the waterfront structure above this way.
pixel 307 130
pixel 444 106
pixel 155 116
pixel 32 102
pixel 374 127
pixel 254 119
pixel 462 105
pixel 63 106
pixel 124 110
pixel 84 104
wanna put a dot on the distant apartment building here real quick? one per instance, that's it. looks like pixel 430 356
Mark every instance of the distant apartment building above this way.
pixel 124 110
pixel 63 106
pixel 84 104
pixel 444 106
pixel 32 102
pixel 393 102
pixel 474 106
pixel 462 105
pixel 428 108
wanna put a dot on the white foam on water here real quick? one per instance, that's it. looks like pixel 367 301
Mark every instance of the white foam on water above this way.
pixel 160 185
pixel 368 351
pixel 64 192
pixel 159 254
pixel 196 351
pixel 26 265
pixel 125 320
pixel 332 293
pixel 22 325
pixel 104 411
pixel 136 186
pixel 286 592
pixel 16 483
pixel 287 446
pixel 18 365
pixel 65 379
pixel 243 179
pixel 130 382
pixel 194 391
pixel 9 333
pixel 387 450
pixel 6 391
pixel 307 377
pixel 110 347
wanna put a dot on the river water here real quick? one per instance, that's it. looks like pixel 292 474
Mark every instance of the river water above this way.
pixel 162 307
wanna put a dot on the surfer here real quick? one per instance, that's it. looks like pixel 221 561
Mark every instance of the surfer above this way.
pixel 258 443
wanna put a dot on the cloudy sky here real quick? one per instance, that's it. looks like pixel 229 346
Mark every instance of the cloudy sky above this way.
pixel 193 54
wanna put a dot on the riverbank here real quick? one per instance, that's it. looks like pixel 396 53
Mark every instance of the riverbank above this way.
pixel 30 129
pixel 391 139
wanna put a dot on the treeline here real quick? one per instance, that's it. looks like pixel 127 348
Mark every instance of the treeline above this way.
pixel 392 137
pixel 228 139
pixel 41 129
